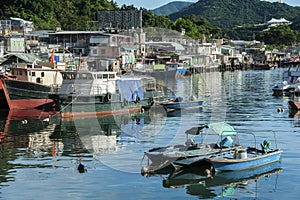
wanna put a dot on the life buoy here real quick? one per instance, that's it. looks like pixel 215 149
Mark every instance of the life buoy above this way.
pixel 107 97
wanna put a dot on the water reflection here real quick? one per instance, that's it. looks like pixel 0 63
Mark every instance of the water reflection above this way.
pixel 24 137
pixel 30 142
pixel 197 183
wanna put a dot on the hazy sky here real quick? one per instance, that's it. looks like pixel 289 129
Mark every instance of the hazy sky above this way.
pixel 151 4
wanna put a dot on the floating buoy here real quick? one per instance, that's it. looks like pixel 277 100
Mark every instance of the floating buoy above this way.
pixel 280 110
pixel 145 171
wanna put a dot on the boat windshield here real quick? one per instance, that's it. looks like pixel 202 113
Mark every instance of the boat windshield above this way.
pixel 74 75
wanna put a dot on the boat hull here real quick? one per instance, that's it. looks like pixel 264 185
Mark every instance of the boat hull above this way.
pixel 181 105
pixel 72 106
pixel 227 164
pixel 22 95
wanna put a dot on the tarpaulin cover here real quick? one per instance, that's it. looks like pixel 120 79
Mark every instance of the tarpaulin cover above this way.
pixel 130 90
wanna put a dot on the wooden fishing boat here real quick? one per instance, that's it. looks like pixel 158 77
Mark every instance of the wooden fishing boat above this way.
pixel 102 93
pixel 28 88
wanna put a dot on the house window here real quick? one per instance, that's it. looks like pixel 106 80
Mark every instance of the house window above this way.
pixel 33 73
pixel 99 76
pixel 102 51
pixel 43 74
pixel 94 52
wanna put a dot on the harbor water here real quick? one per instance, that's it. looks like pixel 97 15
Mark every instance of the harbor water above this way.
pixel 40 157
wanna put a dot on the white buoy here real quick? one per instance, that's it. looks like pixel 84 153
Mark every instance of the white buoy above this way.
pixel 280 110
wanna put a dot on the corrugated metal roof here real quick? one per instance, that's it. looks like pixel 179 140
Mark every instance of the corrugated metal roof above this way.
pixel 23 57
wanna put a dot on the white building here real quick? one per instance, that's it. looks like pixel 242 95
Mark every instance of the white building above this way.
pixel 274 22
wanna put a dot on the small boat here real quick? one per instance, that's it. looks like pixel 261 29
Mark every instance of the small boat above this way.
pixel 191 153
pixel 160 71
pixel 287 89
pixel 290 84
pixel 178 103
pixel 246 158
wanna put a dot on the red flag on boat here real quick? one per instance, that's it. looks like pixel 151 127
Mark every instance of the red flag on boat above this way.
pixel 80 60
pixel 52 57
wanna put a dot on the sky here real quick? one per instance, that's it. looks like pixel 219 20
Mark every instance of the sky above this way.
pixel 152 4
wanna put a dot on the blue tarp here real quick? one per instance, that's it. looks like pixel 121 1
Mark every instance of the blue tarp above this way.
pixel 130 90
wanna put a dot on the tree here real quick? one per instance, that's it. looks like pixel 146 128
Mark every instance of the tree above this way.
pixel 279 35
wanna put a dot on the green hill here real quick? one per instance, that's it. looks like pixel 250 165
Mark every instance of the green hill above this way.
pixel 232 13
pixel 171 7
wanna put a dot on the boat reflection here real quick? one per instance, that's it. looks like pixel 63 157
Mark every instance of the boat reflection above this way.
pixel 184 112
pixel 22 139
pixel 198 183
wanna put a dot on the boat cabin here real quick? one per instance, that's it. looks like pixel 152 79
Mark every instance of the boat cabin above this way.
pixel 88 83
pixel 37 74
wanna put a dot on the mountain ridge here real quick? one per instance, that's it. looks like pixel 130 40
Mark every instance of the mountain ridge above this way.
pixel 171 7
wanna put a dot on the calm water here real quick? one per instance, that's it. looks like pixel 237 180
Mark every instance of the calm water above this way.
pixel 39 159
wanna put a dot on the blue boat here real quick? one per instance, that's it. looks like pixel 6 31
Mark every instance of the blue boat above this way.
pixel 245 158
pixel 178 104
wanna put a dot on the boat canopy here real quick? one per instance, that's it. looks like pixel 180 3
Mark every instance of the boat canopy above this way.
pixel 222 129
pixel 219 128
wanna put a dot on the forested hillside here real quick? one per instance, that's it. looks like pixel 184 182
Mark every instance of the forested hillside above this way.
pixel 49 14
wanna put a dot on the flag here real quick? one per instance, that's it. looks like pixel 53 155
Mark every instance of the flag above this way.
pixel 52 57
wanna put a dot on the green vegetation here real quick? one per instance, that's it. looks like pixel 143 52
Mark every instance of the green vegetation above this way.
pixel 232 19
pixel 49 14
pixel 233 13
